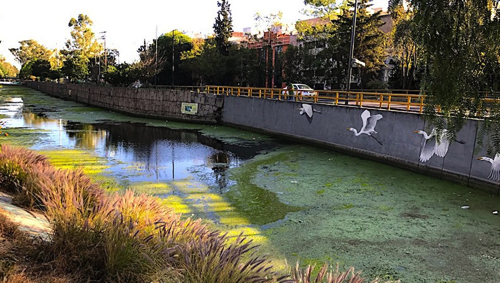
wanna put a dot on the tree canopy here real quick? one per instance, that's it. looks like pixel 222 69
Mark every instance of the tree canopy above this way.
pixel 30 50
pixel 81 48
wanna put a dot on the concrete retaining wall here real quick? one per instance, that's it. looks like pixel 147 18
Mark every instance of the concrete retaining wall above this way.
pixel 396 131
pixel 154 103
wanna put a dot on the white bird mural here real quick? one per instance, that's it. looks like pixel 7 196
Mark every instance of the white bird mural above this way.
pixel 495 167
pixel 434 146
pixel 369 123
pixel 308 109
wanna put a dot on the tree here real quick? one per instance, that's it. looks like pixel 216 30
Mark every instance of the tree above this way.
pixel 407 54
pixel 369 42
pixel 150 64
pixel 121 75
pixel 223 27
pixel 325 8
pixel 173 46
pixel 460 40
pixel 81 48
pixel 30 50
pixel 7 69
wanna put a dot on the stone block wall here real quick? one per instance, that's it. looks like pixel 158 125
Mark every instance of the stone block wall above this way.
pixel 144 102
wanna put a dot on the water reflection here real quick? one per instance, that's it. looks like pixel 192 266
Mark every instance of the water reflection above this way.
pixel 141 153
pixel 11 107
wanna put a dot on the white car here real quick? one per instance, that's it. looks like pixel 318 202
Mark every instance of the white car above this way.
pixel 303 89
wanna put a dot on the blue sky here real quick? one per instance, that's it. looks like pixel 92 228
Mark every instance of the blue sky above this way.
pixel 128 23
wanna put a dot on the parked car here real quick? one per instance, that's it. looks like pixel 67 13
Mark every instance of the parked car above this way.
pixel 303 89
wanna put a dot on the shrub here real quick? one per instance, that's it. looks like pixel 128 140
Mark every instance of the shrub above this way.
pixel 16 166
pixel 327 274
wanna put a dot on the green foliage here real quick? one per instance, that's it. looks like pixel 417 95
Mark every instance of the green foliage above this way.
pixel 223 27
pixel 325 53
pixel 325 8
pixel 7 69
pixel 81 50
pixel 121 75
pixel 30 50
pixel 76 67
pixel 407 54
pixel 41 69
pixel 459 40
pixel 240 67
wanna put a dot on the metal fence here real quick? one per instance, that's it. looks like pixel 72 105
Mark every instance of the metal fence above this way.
pixel 404 100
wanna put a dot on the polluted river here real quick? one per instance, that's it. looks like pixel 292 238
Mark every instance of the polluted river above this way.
pixel 298 202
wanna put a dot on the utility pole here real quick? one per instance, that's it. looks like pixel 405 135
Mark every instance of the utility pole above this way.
pixel 351 52
pixel 156 53
pixel 173 57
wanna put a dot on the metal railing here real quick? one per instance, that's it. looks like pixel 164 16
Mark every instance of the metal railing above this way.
pixel 402 100
pixel 407 102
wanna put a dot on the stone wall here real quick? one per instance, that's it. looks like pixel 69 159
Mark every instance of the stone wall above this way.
pixel 147 102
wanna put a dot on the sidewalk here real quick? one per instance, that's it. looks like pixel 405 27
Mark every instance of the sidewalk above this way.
pixel 33 223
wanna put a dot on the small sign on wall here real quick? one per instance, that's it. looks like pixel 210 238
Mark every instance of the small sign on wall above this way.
pixel 189 108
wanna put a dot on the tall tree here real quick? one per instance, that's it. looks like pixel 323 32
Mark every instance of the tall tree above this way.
pixel 223 27
pixel 82 47
pixel 369 46
pixel 407 54
pixel 30 50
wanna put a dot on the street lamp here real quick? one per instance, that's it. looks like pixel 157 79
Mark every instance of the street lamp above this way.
pixel 351 52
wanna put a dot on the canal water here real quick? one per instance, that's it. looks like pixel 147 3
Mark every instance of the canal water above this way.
pixel 300 203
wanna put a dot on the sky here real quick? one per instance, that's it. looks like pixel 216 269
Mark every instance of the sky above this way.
pixel 128 23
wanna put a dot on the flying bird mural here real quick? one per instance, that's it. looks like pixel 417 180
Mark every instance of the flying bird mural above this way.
pixel 308 110
pixel 369 123
pixel 495 167
pixel 432 145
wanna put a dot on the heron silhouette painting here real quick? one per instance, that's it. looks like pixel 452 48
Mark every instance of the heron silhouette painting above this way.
pixel 432 145
pixel 369 123
pixel 495 167
pixel 308 110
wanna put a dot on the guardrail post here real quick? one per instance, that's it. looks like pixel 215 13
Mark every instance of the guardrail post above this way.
pixel 336 98
pixel 381 99
pixel 389 102
pixel 421 104
pixel 409 103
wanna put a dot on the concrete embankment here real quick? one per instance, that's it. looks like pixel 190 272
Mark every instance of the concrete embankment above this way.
pixel 393 141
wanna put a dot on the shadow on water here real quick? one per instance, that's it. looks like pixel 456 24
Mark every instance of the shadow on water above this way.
pixel 138 153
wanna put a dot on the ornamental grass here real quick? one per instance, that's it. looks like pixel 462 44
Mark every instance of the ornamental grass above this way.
pixel 125 237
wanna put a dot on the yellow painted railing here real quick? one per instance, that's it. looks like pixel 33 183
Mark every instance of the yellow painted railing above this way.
pixel 404 100
pixel 408 102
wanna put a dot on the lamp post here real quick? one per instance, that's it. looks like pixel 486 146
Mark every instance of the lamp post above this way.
pixel 351 52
